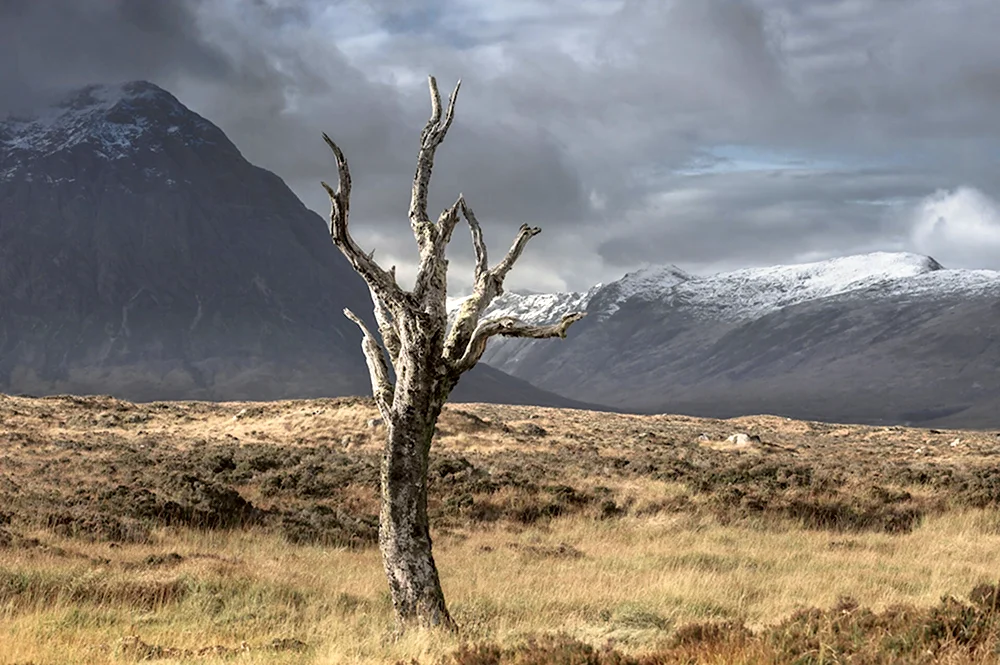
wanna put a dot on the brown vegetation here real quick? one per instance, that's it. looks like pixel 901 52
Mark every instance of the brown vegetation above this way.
pixel 951 631
pixel 123 521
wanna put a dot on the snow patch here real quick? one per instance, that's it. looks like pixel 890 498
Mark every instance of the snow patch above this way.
pixel 649 283
pixel 112 118
pixel 753 292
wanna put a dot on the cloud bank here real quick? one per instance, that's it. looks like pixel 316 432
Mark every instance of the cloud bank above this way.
pixel 712 134
pixel 962 225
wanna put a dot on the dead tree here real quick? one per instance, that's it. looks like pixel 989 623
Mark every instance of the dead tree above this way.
pixel 427 360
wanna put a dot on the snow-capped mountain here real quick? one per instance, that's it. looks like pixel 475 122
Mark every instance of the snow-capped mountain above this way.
pixel 142 255
pixel 649 283
pixel 107 122
pixel 110 119
pixel 751 292
pixel 877 337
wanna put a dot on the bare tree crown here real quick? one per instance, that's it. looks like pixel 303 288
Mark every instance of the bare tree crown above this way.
pixel 465 342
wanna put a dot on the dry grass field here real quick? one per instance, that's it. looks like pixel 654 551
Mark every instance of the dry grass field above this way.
pixel 245 533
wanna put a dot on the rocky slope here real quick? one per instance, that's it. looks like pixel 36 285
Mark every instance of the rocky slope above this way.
pixel 880 338
pixel 142 255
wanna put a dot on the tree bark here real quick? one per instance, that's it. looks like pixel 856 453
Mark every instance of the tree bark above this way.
pixel 404 528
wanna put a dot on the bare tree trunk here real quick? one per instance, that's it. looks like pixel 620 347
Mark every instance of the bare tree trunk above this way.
pixel 404 529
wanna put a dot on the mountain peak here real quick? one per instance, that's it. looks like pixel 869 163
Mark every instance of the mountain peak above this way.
pixel 105 96
pixel 115 121
pixel 655 277
pixel 649 283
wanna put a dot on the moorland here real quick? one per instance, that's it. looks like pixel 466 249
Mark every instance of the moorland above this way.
pixel 200 532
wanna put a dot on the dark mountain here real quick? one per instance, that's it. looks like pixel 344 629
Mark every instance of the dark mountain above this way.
pixel 878 338
pixel 142 255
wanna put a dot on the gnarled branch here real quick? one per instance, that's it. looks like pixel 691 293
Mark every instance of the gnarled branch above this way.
pixel 382 387
pixel 489 285
pixel 430 138
pixel 379 280
pixel 524 234
pixel 447 222
pixel 387 323
pixel 510 327
pixel 432 277
pixel 482 262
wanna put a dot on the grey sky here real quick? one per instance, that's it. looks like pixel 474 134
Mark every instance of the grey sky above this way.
pixel 712 134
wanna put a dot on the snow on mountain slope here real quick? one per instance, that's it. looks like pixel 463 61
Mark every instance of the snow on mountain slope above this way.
pixel 752 292
pixel 650 283
pixel 537 308
pixel 647 283
pixel 109 119
pixel 945 281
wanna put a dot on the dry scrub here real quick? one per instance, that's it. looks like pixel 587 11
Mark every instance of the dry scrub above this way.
pixel 192 532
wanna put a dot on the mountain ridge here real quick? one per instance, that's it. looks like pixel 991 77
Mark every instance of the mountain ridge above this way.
pixel 884 337
pixel 815 279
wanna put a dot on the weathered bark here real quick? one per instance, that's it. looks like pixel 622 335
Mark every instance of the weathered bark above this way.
pixel 428 361
pixel 404 530
pixel 509 327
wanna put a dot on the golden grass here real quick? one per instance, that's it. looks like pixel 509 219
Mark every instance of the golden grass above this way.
pixel 693 531
pixel 630 580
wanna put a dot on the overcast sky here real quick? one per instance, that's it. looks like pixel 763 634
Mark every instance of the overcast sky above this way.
pixel 711 134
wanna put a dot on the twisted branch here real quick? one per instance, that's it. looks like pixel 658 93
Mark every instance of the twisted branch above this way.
pixel 382 387
pixel 431 239
pixel 524 234
pixel 432 276
pixel 448 221
pixel 482 262
pixel 489 285
pixel 379 280
pixel 430 138
pixel 387 323
pixel 510 327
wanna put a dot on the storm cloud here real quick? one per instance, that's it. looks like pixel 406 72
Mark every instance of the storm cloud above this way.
pixel 712 134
